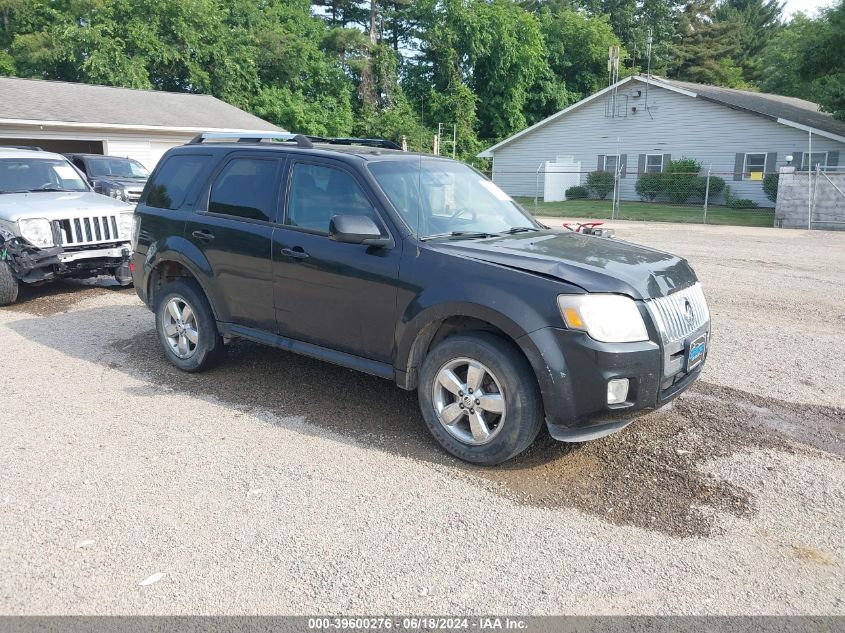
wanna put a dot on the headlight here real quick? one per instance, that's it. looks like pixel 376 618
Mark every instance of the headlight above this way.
pixel 125 225
pixel 37 231
pixel 606 318
pixel 115 192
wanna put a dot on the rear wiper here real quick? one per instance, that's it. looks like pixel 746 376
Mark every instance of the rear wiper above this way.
pixel 519 229
pixel 465 234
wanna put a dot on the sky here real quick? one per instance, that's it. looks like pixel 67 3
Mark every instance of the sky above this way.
pixel 807 6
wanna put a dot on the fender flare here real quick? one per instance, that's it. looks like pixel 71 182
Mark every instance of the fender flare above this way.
pixel 418 333
pixel 185 253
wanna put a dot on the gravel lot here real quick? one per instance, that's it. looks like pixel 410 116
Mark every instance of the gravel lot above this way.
pixel 277 484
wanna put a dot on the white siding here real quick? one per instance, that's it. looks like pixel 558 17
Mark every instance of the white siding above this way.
pixel 143 149
pixel 675 124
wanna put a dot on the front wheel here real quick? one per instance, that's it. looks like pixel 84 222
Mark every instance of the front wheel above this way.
pixel 479 398
pixel 8 285
pixel 186 327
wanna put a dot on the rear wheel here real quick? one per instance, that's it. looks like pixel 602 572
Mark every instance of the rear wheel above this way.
pixel 8 285
pixel 186 327
pixel 479 398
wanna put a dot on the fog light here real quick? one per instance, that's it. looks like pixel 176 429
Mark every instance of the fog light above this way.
pixel 617 391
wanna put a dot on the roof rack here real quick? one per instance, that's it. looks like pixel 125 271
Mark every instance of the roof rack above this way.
pixel 367 142
pixel 31 148
pixel 301 140
pixel 252 137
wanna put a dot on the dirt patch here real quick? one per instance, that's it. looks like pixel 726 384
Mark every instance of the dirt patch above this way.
pixel 60 296
pixel 812 555
pixel 651 475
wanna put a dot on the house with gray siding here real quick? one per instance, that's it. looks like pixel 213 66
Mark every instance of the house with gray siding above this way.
pixel 639 124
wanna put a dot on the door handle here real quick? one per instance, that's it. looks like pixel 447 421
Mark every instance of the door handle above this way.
pixel 205 236
pixel 297 252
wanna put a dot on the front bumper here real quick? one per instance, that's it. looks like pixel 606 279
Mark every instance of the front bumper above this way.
pixel 573 371
pixel 34 265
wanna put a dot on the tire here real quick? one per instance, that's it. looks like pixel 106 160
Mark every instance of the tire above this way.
pixel 8 285
pixel 175 334
pixel 507 384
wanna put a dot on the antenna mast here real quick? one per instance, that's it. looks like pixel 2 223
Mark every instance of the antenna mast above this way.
pixel 649 41
pixel 613 76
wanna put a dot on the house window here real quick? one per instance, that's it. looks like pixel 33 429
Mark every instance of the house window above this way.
pixel 755 167
pixel 611 163
pixel 654 163
pixel 818 158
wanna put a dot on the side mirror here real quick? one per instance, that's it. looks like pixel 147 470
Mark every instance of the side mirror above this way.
pixel 356 229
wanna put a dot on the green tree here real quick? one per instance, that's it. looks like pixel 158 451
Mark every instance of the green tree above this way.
pixel 823 62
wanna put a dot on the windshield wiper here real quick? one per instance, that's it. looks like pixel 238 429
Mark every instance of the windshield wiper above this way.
pixel 519 229
pixel 465 234
pixel 51 189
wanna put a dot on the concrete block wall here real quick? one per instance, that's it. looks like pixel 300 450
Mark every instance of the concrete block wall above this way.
pixel 792 210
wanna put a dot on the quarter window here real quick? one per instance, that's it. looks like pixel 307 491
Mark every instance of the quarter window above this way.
pixel 654 163
pixel 318 193
pixel 171 183
pixel 755 166
pixel 246 188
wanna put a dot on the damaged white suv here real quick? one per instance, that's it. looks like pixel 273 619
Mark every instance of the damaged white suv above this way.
pixel 53 225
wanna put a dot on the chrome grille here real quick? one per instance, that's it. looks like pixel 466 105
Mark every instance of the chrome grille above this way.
pixel 673 319
pixel 97 229
pixel 133 195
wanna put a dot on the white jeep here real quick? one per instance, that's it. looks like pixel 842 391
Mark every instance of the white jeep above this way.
pixel 53 225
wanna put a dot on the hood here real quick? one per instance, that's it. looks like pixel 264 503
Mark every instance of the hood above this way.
pixel 125 183
pixel 58 205
pixel 595 264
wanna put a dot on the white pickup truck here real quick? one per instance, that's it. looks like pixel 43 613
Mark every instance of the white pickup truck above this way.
pixel 53 225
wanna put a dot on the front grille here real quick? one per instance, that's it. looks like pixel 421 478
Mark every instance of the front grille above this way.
pixel 91 230
pixel 133 196
pixel 680 314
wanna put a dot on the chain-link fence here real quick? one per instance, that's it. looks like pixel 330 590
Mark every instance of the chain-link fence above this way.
pixel 728 188
pixel 708 196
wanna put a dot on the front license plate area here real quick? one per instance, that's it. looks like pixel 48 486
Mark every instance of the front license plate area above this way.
pixel 696 351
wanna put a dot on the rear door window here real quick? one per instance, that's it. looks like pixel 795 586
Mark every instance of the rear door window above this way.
pixel 170 184
pixel 246 188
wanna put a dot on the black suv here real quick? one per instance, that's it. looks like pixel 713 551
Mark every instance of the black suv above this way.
pixel 114 176
pixel 417 269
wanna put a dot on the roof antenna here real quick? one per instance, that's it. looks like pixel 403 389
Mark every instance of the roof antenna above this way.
pixel 649 40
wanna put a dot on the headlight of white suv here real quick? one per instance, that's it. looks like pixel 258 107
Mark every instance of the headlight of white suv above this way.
pixel 37 231
pixel 606 318
pixel 125 225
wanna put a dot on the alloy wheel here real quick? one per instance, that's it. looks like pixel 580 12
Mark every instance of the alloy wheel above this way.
pixel 180 327
pixel 469 402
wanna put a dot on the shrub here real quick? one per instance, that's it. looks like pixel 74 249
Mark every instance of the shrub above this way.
pixel 770 186
pixel 717 186
pixel 681 179
pixel 600 183
pixel 649 186
pixel 577 193
pixel 742 203
pixel 738 203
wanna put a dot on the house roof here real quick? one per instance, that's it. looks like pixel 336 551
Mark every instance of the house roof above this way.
pixel 789 111
pixel 35 101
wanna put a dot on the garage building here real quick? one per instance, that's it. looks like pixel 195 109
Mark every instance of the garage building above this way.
pixel 142 124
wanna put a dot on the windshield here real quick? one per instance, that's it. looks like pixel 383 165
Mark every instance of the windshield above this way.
pixel 20 175
pixel 437 197
pixel 118 167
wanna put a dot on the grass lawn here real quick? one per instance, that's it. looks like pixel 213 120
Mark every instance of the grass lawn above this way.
pixel 652 211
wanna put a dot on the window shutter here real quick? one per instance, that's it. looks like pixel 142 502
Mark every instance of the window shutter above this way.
pixel 667 158
pixel 641 164
pixel 771 163
pixel 623 162
pixel 797 160
pixel 600 163
pixel 739 165
pixel 832 159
